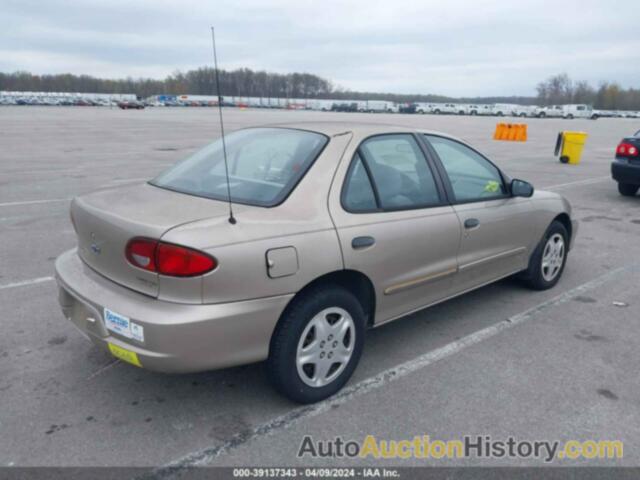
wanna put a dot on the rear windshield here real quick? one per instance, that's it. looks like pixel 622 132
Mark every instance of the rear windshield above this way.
pixel 265 165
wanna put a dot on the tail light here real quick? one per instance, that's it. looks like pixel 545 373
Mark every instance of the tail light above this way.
pixel 627 150
pixel 167 258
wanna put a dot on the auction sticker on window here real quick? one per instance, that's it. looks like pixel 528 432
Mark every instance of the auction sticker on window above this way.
pixel 123 326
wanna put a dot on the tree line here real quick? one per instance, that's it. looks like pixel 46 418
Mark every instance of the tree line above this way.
pixel 557 89
pixel 240 82
pixel 560 89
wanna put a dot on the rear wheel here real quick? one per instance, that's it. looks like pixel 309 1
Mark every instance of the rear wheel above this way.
pixel 627 189
pixel 317 344
pixel 548 260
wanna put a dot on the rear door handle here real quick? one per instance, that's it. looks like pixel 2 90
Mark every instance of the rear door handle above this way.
pixel 362 242
pixel 471 223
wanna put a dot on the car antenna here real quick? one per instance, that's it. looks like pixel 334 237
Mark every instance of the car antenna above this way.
pixel 232 219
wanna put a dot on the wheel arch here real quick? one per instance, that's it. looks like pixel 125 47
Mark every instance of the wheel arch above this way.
pixel 565 220
pixel 354 281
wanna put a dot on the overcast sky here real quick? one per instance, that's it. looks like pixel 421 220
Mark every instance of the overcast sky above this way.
pixel 451 47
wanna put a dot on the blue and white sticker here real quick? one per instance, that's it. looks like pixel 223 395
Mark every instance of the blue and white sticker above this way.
pixel 123 326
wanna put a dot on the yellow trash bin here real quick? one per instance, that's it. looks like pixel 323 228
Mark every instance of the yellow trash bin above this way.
pixel 569 145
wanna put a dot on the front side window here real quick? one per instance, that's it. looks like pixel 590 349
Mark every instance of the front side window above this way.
pixel 391 171
pixel 265 165
pixel 472 177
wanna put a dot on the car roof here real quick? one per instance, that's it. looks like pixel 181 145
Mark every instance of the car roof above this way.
pixel 361 128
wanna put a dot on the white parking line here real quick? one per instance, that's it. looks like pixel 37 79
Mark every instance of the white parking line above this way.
pixel 587 181
pixel 26 283
pixel 34 202
pixel 209 455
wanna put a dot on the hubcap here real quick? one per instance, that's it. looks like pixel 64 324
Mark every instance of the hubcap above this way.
pixel 552 257
pixel 325 347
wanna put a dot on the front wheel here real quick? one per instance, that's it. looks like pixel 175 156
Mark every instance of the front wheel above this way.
pixel 627 189
pixel 317 344
pixel 549 258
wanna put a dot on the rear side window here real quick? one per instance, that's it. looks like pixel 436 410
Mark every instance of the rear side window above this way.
pixel 265 165
pixel 391 171
pixel 472 177
pixel 358 194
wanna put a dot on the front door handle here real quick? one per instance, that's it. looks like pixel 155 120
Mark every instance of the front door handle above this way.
pixel 471 223
pixel 362 242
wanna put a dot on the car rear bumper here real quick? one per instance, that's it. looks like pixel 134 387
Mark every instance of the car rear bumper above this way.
pixel 177 337
pixel 626 172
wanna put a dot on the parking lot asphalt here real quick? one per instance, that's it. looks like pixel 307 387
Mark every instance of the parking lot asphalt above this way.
pixel 500 361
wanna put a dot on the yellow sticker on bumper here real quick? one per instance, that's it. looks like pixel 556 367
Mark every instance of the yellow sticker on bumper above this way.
pixel 124 355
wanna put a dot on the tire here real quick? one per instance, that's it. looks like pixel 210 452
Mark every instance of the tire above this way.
pixel 436 111
pixel 538 276
pixel 570 116
pixel 564 159
pixel 301 323
pixel 627 189
pixel 542 115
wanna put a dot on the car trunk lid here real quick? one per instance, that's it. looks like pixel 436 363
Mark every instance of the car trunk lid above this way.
pixel 105 221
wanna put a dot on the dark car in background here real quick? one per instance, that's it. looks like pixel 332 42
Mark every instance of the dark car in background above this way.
pixel 345 107
pixel 131 104
pixel 407 108
pixel 625 169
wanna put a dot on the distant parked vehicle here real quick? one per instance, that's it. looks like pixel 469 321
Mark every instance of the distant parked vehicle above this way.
pixel 345 107
pixel 577 111
pixel 503 109
pixel 407 108
pixel 445 108
pixel 131 105
pixel 424 107
pixel 625 169
pixel 479 109
pixel 380 106
pixel 554 111
pixel 524 111
pixel 462 109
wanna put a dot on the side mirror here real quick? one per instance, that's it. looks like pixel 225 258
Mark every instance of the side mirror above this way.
pixel 520 188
